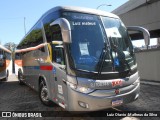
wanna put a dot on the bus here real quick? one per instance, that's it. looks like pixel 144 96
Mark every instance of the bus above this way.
pixel 81 59
pixel 5 63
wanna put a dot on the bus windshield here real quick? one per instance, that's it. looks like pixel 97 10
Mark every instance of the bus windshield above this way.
pixel 18 56
pixel 1 54
pixel 89 38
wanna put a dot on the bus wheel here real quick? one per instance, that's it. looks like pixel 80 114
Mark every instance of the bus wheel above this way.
pixel 20 77
pixel 43 94
pixel 6 78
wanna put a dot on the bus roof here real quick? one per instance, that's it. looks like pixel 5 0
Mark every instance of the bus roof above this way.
pixel 5 49
pixel 82 10
pixel 74 9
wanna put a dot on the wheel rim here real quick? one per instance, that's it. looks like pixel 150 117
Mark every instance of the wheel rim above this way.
pixel 44 94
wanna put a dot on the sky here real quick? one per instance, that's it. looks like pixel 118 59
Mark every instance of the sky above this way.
pixel 12 13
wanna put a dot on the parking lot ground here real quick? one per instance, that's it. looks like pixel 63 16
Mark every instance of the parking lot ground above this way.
pixel 15 97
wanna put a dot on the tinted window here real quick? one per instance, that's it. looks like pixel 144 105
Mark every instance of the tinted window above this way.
pixel 34 38
pixel 1 54
pixel 56 33
pixel 8 55
pixel 87 40
pixel 58 54
pixel 46 22
pixel 18 56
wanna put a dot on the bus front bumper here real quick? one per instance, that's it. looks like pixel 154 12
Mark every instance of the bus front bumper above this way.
pixel 91 102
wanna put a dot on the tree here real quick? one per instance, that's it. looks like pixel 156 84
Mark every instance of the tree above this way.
pixel 11 46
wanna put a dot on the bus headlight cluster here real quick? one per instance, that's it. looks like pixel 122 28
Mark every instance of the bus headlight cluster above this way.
pixel 81 88
pixel 84 89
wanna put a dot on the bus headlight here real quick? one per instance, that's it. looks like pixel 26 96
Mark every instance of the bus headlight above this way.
pixel 81 88
pixel 84 89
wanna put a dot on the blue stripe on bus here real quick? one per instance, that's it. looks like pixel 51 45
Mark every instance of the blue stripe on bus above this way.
pixel 43 67
pixel 32 67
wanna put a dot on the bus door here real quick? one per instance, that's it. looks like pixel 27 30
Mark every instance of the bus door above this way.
pixel 60 76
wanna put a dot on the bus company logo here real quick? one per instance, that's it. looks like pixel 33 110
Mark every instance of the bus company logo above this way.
pixel 6 114
pixel 117 83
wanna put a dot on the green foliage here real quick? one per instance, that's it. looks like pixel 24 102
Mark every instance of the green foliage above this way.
pixel 32 38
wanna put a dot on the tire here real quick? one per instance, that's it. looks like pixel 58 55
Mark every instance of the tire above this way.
pixel 43 94
pixel 6 78
pixel 20 76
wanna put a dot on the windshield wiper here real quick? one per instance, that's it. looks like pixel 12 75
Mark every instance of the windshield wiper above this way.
pixel 101 60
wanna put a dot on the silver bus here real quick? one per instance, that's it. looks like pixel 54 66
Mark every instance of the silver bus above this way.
pixel 81 59
pixel 5 63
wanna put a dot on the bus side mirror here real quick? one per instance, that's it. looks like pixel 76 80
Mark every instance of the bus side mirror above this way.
pixel 65 29
pixel 145 32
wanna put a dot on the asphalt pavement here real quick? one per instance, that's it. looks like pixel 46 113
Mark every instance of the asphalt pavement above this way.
pixel 14 97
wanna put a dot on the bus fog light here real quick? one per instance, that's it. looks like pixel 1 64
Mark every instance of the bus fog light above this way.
pixel 82 104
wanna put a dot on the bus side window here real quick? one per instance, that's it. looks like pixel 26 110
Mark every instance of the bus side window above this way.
pixel 57 50
pixel 1 54
pixel 58 55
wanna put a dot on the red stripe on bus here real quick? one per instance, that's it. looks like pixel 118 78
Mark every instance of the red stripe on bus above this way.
pixel 46 67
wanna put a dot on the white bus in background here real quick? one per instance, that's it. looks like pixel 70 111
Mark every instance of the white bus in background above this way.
pixel 5 63
pixel 82 59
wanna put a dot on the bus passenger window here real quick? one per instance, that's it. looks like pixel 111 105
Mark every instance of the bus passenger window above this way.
pixel 1 56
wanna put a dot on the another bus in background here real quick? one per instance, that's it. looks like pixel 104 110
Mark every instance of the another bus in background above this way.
pixel 5 63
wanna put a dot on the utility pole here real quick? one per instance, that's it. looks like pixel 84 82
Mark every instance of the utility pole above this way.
pixel 103 5
pixel 24 25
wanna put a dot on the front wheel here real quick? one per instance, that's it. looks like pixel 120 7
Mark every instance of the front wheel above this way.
pixel 43 94
pixel 7 74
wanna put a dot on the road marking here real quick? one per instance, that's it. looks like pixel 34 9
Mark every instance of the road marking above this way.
pixel 117 109
pixel 150 83
pixel 130 118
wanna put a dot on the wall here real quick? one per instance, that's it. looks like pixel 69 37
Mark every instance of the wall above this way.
pixel 143 13
pixel 149 64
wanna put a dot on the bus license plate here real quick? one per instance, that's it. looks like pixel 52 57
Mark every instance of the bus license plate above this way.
pixel 117 102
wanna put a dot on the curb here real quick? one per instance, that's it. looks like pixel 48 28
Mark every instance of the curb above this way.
pixel 150 83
